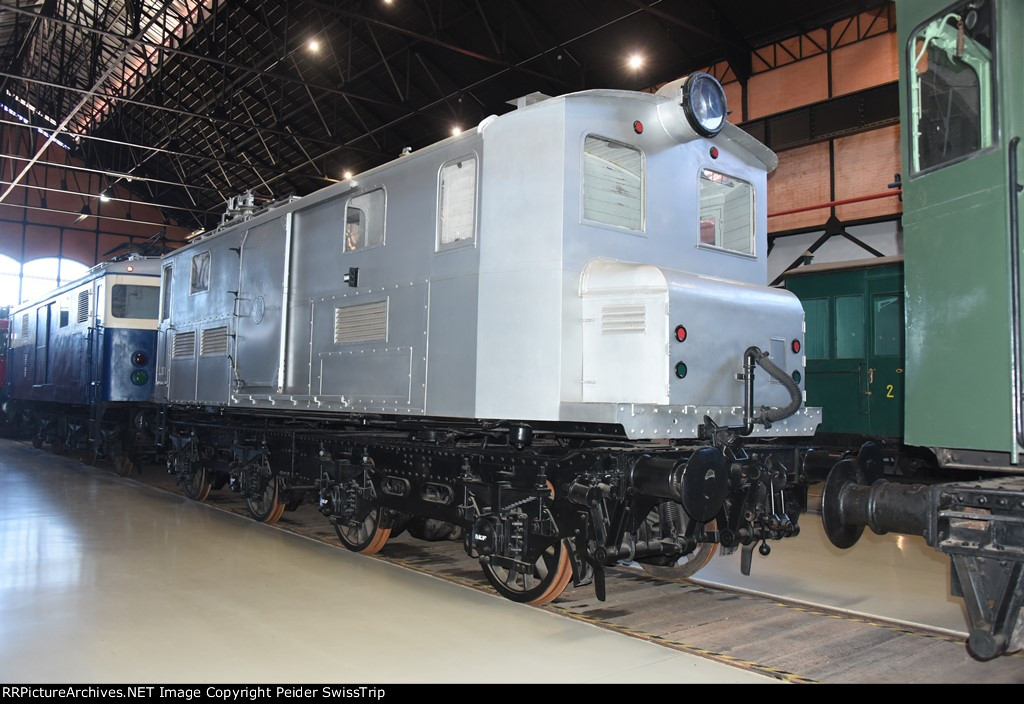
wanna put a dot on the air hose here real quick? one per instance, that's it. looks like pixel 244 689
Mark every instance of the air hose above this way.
pixel 773 415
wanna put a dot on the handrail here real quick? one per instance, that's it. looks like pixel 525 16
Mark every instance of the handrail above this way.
pixel 833 203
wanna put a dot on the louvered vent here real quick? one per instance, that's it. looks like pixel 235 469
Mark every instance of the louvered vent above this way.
pixel 24 326
pixel 83 306
pixel 623 319
pixel 363 323
pixel 214 343
pixel 184 345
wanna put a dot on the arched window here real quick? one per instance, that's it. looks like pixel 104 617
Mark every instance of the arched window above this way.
pixel 42 275
pixel 10 280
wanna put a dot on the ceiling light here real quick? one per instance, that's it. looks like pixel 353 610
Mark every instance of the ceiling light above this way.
pixel 636 61
pixel 456 131
pixel 347 175
pixel 313 45
pixel 104 198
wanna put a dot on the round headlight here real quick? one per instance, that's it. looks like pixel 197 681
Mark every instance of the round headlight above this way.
pixel 704 104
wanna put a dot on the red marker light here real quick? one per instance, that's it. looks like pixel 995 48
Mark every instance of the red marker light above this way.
pixel 638 127
pixel 680 333
pixel 139 359
pixel 714 152
pixel 796 346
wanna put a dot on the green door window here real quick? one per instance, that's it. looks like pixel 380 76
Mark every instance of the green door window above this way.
pixel 950 59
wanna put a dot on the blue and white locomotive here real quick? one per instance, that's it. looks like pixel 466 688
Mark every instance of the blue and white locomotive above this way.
pixel 81 362
pixel 540 335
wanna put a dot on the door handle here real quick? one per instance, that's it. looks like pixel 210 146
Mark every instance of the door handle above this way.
pixel 871 377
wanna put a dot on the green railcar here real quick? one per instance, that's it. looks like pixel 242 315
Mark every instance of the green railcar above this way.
pixel 962 119
pixel 854 346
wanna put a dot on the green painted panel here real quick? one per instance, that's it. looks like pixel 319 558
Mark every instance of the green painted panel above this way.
pixel 956 241
pixel 854 347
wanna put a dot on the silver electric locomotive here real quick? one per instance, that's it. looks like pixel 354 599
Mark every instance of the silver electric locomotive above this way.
pixel 550 335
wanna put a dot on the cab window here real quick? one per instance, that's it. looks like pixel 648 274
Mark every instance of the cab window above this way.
pixel 613 183
pixel 726 212
pixel 200 279
pixel 364 221
pixel 129 301
pixel 65 308
pixel 952 105
pixel 165 306
pixel 457 203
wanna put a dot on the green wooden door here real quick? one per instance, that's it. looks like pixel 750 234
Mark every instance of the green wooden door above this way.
pixel 883 292
pixel 854 345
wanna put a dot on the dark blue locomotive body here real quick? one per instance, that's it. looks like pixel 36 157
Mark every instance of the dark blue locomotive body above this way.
pixel 81 360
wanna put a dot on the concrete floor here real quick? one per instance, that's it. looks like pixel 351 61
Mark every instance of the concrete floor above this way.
pixel 895 577
pixel 105 580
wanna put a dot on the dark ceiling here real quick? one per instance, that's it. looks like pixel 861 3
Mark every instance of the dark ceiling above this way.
pixel 199 100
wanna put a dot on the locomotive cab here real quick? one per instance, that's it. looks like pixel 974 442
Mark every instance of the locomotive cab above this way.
pixel 644 246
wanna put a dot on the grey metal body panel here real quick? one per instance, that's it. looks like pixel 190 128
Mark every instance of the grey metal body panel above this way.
pixel 261 306
pixel 497 327
pixel 200 377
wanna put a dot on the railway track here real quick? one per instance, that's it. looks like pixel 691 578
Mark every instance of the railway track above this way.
pixel 760 632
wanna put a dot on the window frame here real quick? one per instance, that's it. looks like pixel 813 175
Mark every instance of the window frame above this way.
pixel 166 293
pixel 126 286
pixel 384 223
pixel 642 230
pixel 900 305
pixel 861 332
pixel 192 290
pixel 440 246
pixel 752 254
pixel 64 311
pixel 912 147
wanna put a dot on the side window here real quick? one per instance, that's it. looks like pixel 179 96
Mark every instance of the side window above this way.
pixel 726 212
pixel 364 221
pixel 165 288
pixel 952 103
pixel 817 338
pixel 65 311
pixel 613 183
pixel 887 324
pixel 849 327
pixel 200 280
pixel 457 202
